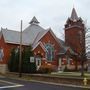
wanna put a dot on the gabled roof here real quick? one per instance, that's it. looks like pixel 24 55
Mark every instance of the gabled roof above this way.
pixel 11 36
pixel 30 36
pixel 39 43
pixel 54 36
pixel 74 16
pixel 42 33
pixel 39 36
pixel 31 32
pixel 64 50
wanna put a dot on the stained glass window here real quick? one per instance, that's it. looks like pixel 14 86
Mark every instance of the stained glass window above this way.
pixel 1 53
pixel 49 51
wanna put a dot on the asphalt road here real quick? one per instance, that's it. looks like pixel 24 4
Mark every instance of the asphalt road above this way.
pixel 13 84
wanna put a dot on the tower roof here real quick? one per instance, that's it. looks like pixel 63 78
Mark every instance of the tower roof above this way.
pixel 34 21
pixel 74 16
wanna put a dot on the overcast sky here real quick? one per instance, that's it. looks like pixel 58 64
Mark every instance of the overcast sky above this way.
pixel 50 13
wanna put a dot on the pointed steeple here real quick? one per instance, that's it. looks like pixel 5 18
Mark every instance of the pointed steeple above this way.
pixel 74 16
pixel 34 21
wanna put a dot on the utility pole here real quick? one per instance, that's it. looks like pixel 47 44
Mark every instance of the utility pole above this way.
pixel 20 58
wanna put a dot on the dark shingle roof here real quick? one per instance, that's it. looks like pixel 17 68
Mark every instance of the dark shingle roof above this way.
pixel 34 20
pixel 74 16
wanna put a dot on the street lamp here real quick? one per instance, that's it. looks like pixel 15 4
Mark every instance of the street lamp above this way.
pixel 20 58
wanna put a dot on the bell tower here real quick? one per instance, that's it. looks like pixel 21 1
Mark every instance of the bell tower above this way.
pixel 75 32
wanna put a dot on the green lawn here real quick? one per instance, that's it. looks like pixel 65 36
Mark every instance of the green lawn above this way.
pixel 71 74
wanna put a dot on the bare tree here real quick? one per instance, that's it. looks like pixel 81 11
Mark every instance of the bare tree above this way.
pixel 84 48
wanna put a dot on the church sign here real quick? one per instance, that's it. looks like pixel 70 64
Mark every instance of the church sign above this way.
pixel 32 60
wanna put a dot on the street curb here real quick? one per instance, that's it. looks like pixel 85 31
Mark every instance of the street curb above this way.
pixel 52 83
pixel 58 84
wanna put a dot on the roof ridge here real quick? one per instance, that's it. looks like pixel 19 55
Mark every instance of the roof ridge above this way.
pixel 32 25
pixel 8 30
pixel 36 39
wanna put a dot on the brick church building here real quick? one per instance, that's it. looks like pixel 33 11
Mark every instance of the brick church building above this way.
pixel 47 48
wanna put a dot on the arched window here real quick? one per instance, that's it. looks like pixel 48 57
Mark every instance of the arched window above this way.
pixel 49 51
pixel 1 54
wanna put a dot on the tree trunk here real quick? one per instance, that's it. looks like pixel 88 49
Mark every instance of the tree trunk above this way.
pixel 82 68
pixel 76 62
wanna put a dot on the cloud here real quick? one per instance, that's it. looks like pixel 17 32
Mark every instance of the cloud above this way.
pixel 51 13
